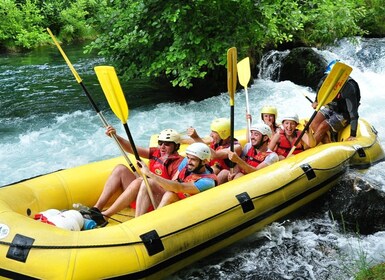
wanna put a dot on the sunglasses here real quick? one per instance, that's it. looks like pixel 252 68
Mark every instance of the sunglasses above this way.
pixel 160 143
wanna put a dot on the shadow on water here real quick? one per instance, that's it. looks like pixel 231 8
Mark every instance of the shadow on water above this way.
pixel 40 83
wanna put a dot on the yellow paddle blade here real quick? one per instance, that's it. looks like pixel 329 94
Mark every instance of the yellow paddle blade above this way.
pixel 113 91
pixel 333 84
pixel 232 72
pixel 244 73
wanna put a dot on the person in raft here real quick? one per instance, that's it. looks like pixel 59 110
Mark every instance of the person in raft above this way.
pixel 269 117
pixel 282 142
pixel 194 176
pixel 256 154
pixel 163 161
pixel 336 115
pixel 219 146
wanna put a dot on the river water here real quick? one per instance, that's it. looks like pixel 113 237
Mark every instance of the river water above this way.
pixel 47 123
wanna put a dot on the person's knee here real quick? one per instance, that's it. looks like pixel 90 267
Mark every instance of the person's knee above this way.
pixel 119 169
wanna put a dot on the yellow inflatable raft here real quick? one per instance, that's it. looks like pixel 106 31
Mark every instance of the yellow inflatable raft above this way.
pixel 162 241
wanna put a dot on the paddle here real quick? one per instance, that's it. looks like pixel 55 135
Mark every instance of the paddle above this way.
pixel 113 91
pixel 79 80
pixel 231 86
pixel 328 91
pixel 307 97
pixel 244 75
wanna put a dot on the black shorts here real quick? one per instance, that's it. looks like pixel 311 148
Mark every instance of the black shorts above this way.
pixel 335 120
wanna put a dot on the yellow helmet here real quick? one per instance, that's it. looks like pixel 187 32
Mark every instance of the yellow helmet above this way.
pixel 222 127
pixel 269 110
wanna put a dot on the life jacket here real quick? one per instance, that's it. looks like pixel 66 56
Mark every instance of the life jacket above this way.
pixel 221 163
pixel 284 145
pixel 254 158
pixel 339 104
pixel 161 167
pixel 185 176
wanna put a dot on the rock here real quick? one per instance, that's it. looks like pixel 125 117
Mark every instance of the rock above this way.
pixel 357 204
pixel 303 66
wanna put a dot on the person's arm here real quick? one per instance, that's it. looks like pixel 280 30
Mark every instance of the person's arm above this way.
pixel 274 142
pixel 350 95
pixel 223 153
pixel 168 185
pixel 193 134
pixel 126 145
pixel 242 164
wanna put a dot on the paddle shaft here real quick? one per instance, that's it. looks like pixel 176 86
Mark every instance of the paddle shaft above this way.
pixel 112 89
pixel 231 86
pixel 244 75
pixel 90 99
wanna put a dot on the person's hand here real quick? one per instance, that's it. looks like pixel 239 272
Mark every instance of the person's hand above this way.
pixel 231 176
pixel 248 117
pixel 351 138
pixel 143 167
pixel 192 132
pixel 232 156
pixel 110 130
pixel 314 104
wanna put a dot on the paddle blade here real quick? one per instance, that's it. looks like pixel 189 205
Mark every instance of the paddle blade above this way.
pixel 113 91
pixel 231 73
pixel 244 74
pixel 333 84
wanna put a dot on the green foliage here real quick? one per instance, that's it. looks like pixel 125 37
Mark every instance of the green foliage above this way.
pixel 374 20
pixel 183 41
pixel 376 272
pixel 20 24
pixel 24 22
pixel 329 20
pixel 68 19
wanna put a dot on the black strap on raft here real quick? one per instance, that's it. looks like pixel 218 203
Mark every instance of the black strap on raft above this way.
pixel 245 201
pixel 360 151
pixel 20 247
pixel 152 242
pixel 308 171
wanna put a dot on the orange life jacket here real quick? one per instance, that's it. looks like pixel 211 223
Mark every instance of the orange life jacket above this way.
pixel 253 158
pixel 185 177
pixel 221 163
pixel 284 145
pixel 164 168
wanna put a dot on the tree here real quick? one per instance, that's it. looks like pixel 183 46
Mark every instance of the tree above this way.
pixel 182 42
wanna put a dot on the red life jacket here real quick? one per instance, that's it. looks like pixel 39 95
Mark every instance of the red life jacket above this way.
pixel 218 162
pixel 284 145
pixel 253 158
pixel 162 168
pixel 185 177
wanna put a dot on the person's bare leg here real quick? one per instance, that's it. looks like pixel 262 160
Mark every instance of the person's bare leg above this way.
pixel 143 201
pixel 321 134
pixel 168 198
pixel 119 179
pixel 124 200
pixel 223 176
pixel 318 119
